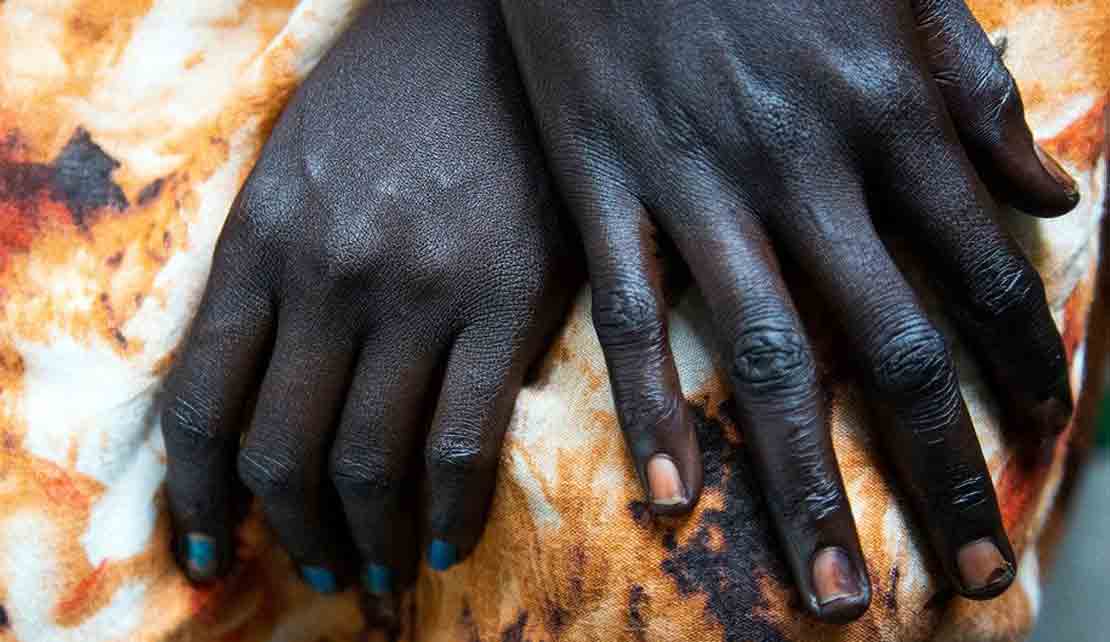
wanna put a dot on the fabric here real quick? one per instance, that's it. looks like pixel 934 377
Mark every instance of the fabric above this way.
pixel 126 128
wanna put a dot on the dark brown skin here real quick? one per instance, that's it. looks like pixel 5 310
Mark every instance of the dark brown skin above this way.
pixel 397 257
pixel 749 131
pixel 388 272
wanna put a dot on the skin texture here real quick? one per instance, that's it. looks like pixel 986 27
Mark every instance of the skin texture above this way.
pixel 388 272
pixel 750 133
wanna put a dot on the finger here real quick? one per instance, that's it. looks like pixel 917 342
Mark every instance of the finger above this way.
pixel 206 397
pixel 372 460
pixel 926 427
pixel 483 376
pixel 780 402
pixel 994 293
pixel 986 107
pixel 283 457
pixel 629 316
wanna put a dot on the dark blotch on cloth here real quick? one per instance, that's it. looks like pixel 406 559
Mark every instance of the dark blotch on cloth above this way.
pixel 731 578
pixel 637 599
pixel 82 178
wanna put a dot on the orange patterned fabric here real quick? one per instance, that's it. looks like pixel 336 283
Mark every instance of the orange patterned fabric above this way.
pixel 126 129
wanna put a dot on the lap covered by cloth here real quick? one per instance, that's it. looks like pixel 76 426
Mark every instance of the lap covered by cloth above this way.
pixel 126 129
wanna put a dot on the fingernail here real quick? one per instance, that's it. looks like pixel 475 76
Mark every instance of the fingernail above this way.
pixel 200 555
pixel 1053 167
pixel 319 578
pixel 664 482
pixel 982 566
pixel 834 577
pixel 378 580
pixel 442 555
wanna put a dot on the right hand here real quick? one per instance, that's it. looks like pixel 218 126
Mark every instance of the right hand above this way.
pixel 749 131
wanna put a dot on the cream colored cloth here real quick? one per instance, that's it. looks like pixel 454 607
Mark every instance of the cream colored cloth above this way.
pixel 126 128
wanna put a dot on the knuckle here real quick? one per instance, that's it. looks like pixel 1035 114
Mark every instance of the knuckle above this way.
pixel 1003 284
pixel 913 360
pixel 258 214
pixel 458 455
pixel 815 492
pixel 336 260
pixel 966 489
pixel 897 97
pixel 627 317
pixel 364 474
pixel 269 474
pixel 771 357
pixel 187 423
pixel 996 92
pixel 432 266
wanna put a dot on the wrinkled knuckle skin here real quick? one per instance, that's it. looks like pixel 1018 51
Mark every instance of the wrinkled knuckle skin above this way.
pixel 996 95
pixel 186 424
pixel 626 319
pixel 1004 285
pixel 816 493
pixel 915 376
pixel 458 456
pixel 270 475
pixel 965 489
pixel 912 360
pixel 360 474
pixel 772 358
pixel 773 369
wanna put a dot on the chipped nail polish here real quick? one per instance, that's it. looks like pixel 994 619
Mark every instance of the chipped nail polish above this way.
pixel 378 579
pixel 664 482
pixel 982 566
pixel 834 577
pixel 200 555
pixel 319 578
pixel 442 555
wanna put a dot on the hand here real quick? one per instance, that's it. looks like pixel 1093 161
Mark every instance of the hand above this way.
pixel 749 131
pixel 394 262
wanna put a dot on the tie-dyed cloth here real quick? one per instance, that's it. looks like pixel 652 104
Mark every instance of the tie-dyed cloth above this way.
pixel 126 128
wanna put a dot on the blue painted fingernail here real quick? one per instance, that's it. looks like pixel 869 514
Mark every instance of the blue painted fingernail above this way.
pixel 319 578
pixel 378 579
pixel 200 555
pixel 442 555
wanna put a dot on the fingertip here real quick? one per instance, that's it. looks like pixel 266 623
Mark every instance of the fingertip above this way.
pixel 846 609
pixel 673 475
pixel 378 580
pixel 321 579
pixel 665 486
pixel 984 572
pixel 442 555
pixel 1030 180
pixel 1068 193
pixel 841 587
pixel 200 555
